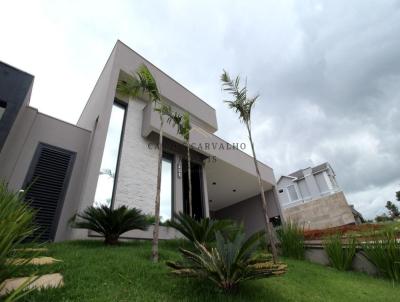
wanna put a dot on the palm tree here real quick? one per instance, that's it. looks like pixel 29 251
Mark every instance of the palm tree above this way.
pixel 243 105
pixel 143 83
pixel 184 127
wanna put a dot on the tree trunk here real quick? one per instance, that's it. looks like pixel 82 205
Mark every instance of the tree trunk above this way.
pixel 157 203
pixel 111 239
pixel 190 180
pixel 269 231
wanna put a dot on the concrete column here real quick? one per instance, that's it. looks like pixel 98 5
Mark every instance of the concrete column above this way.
pixel 177 184
pixel 205 192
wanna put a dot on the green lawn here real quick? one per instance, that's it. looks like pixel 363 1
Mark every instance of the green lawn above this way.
pixel 94 272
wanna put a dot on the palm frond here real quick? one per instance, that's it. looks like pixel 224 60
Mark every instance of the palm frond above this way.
pixel 229 262
pixel 202 230
pixel 241 104
pixel 141 82
pixel 148 83
pixel 129 87
pixel 17 223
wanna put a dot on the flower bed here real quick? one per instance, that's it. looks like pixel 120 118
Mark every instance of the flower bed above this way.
pixel 346 229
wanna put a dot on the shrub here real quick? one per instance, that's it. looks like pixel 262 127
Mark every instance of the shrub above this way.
pixel 384 252
pixel 151 219
pixel 202 230
pixel 340 257
pixel 16 225
pixel 291 238
pixel 111 223
pixel 230 262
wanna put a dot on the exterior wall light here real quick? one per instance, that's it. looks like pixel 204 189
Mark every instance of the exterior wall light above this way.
pixel 180 169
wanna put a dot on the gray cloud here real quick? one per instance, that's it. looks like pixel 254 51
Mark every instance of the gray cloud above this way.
pixel 333 95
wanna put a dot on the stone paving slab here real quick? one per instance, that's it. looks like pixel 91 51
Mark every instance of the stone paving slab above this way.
pixel 45 281
pixel 29 249
pixel 33 261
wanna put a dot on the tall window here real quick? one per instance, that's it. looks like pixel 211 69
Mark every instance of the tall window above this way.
pixel 333 181
pixel 292 193
pixel 106 180
pixel 166 189
pixel 3 106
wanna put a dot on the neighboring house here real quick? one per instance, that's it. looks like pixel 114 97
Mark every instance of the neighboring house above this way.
pixel 110 156
pixel 358 217
pixel 313 198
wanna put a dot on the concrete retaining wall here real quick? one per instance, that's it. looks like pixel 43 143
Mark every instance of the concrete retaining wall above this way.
pixel 316 253
pixel 325 212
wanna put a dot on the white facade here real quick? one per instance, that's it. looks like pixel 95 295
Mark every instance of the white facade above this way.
pixel 137 176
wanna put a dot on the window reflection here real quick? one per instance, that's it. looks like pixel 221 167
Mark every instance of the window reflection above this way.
pixel 106 180
pixel 3 106
pixel 166 190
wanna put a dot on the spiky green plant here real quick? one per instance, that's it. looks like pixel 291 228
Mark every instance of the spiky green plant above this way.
pixel 230 262
pixel 111 223
pixel 291 238
pixel 16 225
pixel 383 250
pixel 202 230
pixel 243 106
pixel 141 83
pixel 340 251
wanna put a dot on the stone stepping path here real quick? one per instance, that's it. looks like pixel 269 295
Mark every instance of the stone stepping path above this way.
pixel 33 261
pixel 45 281
pixel 29 249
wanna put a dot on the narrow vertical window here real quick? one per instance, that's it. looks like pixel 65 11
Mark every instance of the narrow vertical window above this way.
pixel 292 193
pixel 108 169
pixel 3 106
pixel 166 189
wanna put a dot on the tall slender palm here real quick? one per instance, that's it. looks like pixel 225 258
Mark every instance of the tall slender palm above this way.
pixel 142 82
pixel 243 105
pixel 184 127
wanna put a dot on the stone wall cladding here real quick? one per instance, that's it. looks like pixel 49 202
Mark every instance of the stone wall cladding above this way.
pixel 137 177
pixel 325 212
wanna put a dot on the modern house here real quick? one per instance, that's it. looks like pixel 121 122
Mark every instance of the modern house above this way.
pixel 110 155
pixel 312 197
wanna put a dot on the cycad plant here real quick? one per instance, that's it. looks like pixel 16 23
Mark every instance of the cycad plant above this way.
pixel 340 253
pixel 230 262
pixel 203 230
pixel 138 84
pixel 16 225
pixel 111 223
pixel 243 105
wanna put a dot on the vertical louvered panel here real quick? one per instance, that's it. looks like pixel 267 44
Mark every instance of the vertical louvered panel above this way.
pixel 46 184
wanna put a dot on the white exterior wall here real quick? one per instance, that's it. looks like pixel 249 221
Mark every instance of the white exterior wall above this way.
pixel 282 186
pixel 137 175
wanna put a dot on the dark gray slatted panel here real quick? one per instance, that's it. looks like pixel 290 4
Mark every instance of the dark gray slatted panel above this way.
pixel 46 186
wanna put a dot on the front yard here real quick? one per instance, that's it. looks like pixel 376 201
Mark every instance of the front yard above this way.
pixel 94 272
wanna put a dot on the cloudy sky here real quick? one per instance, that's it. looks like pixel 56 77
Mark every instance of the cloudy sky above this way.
pixel 328 72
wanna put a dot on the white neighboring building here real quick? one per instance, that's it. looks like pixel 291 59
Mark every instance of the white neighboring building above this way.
pixel 307 184
pixel 312 197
